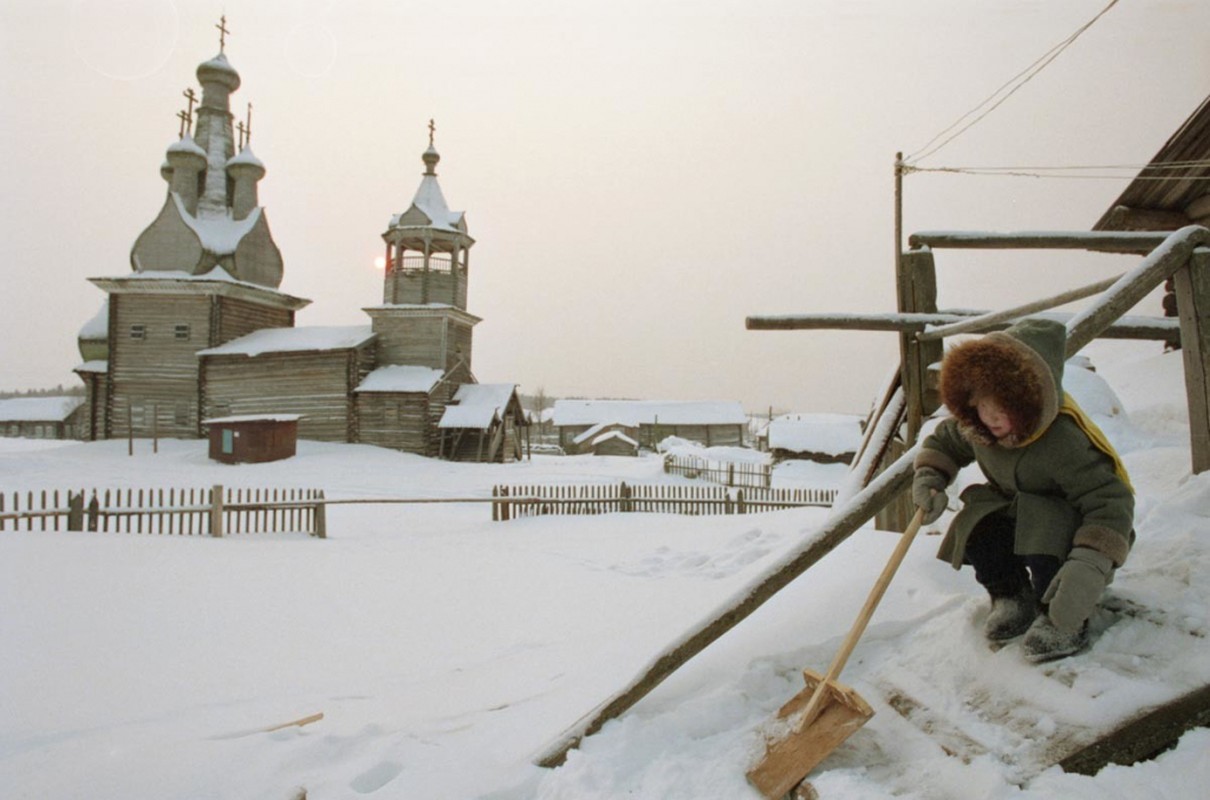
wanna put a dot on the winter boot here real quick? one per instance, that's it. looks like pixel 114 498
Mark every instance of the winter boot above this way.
pixel 1012 615
pixel 1044 642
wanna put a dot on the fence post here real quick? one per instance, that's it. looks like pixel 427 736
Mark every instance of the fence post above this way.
pixel 216 511
pixel 495 504
pixel 75 511
pixel 321 517
pixel 740 505
pixel 624 493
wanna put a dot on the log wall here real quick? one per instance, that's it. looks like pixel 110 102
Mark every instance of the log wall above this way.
pixel 318 385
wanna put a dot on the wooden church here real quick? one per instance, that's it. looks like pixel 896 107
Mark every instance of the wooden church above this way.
pixel 200 330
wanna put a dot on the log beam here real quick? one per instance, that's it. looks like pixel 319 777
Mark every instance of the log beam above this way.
pixel 1146 328
pixel 1125 218
pixel 1097 241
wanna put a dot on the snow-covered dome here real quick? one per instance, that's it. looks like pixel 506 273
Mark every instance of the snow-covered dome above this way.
pixel 219 70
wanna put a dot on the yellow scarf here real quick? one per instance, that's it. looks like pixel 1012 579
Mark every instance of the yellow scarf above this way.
pixel 1094 434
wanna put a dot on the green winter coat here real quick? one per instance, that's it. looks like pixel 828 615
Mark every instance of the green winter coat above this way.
pixel 1051 477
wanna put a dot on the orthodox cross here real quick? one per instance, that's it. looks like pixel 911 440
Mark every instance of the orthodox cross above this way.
pixel 222 33
pixel 432 130
pixel 245 130
pixel 186 116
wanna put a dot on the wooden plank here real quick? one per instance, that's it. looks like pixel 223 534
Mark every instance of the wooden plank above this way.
pixel 1143 737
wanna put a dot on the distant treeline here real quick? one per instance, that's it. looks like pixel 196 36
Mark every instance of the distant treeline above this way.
pixel 55 392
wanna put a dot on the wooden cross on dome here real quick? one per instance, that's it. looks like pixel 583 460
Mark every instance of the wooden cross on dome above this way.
pixel 222 33
pixel 186 116
pixel 432 130
pixel 245 130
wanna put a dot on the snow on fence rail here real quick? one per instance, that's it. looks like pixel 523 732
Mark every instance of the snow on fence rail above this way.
pixel 727 473
pixel 510 502
pixel 185 512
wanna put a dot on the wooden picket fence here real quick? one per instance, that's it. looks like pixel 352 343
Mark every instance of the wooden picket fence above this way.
pixel 511 502
pixel 728 473
pixel 184 512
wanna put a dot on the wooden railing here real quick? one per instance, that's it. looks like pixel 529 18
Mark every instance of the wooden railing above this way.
pixel 511 502
pixel 182 512
pixel 728 473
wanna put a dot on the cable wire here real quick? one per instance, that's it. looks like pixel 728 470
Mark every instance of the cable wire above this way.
pixel 1016 82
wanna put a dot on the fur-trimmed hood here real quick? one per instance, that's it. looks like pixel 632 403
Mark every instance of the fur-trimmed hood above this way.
pixel 1021 368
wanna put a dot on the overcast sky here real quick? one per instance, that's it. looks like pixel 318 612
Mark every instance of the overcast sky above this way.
pixel 640 175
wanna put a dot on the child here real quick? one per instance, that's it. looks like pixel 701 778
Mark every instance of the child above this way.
pixel 1055 518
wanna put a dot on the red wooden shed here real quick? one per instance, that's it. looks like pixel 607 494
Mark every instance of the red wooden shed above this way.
pixel 253 438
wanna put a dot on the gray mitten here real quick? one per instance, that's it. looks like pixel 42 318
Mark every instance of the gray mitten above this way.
pixel 928 492
pixel 1076 588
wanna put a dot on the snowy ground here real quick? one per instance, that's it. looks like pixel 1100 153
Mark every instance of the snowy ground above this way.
pixel 445 650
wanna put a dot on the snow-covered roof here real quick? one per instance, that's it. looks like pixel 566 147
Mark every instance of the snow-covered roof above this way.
pixel 647 412
pixel 245 156
pixel 294 340
pixel 98 326
pixel 253 418
pixel 477 405
pixel 833 434
pixel 218 234
pixel 93 366
pixel 595 430
pixel 401 378
pixel 605 437
pixel 176 281
pixel 430 201
pixel 186 144
pixel 39 409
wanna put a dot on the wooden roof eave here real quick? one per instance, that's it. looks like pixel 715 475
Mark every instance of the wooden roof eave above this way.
pixel 1160 197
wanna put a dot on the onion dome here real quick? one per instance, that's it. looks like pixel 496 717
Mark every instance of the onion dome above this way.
pixel 218 70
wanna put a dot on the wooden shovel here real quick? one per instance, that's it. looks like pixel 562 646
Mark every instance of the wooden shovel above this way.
pixel 825 713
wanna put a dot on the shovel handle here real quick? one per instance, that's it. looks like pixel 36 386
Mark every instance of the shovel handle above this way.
pixel 846 649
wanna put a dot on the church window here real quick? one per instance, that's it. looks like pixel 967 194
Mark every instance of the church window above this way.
pixel 138 331
pixel 182 332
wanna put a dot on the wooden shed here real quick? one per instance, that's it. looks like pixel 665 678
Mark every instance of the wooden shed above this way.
pixel 614 443
pixel 253 438
pixel 712 424
pixel 484 422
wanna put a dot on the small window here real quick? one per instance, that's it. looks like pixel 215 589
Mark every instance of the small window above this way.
pixel 138 331
pixel 182 333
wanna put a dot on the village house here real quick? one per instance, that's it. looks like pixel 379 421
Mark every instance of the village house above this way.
pixel 54 417
pixel 712 424
pixel 199 329
pixel 822 438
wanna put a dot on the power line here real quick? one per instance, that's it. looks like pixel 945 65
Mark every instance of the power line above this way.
pixel 1016 82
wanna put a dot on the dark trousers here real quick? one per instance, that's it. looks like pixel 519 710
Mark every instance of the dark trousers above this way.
pixel 997 568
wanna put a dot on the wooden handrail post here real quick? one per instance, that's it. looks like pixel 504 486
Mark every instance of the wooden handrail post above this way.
pixel 1192 285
